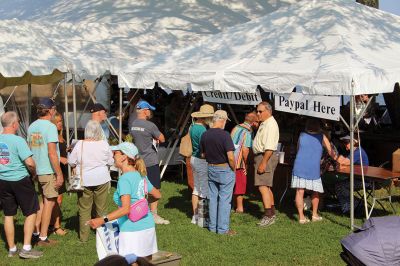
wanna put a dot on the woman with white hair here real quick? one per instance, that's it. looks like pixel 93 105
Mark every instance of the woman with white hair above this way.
pixel 94 155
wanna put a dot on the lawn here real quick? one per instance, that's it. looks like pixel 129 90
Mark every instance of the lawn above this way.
pixel 284 243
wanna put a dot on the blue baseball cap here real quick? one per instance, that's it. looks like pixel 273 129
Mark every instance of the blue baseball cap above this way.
pixel 46 103
pixel 127 148
pixel 144 105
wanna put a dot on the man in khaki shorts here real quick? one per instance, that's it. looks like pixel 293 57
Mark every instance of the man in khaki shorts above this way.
pixel 265 159
pixel 43 141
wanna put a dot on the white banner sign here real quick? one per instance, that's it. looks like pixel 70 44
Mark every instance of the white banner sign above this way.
pixel 327 107
pixel 232 97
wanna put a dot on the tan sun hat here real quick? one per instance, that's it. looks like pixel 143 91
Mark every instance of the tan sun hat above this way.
pixel 206 110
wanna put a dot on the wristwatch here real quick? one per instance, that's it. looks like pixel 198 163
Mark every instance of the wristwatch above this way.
pixel 105 218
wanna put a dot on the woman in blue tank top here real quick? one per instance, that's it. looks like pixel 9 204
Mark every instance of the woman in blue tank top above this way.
pixel 306 170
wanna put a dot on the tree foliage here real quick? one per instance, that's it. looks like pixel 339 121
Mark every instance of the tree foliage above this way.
pixel 373 3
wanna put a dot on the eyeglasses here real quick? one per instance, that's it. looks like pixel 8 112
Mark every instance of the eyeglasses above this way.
pixel 260 111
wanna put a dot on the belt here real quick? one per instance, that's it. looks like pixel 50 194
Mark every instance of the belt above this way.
pixel 218 164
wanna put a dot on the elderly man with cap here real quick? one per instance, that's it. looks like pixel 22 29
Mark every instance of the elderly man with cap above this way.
pixel 17 169
pixel 43 141
pixel 343 187
pixel 200 169
pixel 99 114
pixel 146 135
pixel 217 148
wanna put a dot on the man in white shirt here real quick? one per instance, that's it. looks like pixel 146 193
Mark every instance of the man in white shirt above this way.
pixel 266 159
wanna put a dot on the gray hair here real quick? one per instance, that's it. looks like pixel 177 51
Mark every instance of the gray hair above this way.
pixel 267 106
pixel 217 117
pixel 94 131
pixel 8 118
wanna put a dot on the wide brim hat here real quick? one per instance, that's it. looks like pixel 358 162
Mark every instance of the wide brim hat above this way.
pixel 206 110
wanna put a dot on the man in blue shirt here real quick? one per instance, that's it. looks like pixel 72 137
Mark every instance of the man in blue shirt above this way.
pixel 16 185
pixel 343 187
pixel 43 141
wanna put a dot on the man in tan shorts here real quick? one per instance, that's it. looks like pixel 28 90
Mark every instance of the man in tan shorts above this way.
pixel 43 141
pixel 266 159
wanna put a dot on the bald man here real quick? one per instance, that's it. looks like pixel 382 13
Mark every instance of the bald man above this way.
pixel 243 140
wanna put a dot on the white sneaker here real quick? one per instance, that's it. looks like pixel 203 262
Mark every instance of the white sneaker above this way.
pixel 159 220
pixel 194 219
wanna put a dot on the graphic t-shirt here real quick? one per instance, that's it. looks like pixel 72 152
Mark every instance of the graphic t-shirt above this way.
pixel 143 133
pixel 13 152
pixel 40 133
pixel 132 183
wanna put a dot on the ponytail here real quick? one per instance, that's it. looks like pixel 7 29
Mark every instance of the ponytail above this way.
pixel 141 167
pixel 139 164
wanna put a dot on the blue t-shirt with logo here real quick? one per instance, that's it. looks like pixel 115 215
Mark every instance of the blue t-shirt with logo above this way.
pixel 13 152
pixel 132 183
pixel 40 134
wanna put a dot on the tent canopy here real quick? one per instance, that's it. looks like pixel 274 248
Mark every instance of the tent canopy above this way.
pixel 91 38
pixel 336 47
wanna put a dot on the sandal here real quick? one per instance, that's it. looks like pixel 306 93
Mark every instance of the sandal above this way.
pixel 316 218
pixel 304 221
pixel 60 231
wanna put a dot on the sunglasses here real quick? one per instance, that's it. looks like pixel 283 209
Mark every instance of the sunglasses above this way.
pixel 260 111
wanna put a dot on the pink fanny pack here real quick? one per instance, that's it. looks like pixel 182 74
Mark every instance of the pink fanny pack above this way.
pixel 140 208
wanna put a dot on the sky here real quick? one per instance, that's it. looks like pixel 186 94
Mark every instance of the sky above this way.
pixel 392 6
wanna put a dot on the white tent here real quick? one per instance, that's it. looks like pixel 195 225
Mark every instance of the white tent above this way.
pixel 329 47
pixel 93 37
pixel 334 47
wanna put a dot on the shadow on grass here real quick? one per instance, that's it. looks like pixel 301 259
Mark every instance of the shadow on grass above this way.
pixel 182 202
pixel 19 234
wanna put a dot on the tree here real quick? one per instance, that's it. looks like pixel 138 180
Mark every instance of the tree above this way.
pixel 373 3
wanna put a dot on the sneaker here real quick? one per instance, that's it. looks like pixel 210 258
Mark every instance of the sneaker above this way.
pixel 159 220
pixel 316 218
pixel 229 233
pixel 266 221
pixel 12 253
pixel 194 219
pixel 30 254
pixel 46 243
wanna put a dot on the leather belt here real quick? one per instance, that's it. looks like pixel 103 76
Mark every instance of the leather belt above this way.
pixel 219 164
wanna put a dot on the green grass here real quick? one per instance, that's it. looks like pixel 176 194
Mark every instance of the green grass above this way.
pixel 284 243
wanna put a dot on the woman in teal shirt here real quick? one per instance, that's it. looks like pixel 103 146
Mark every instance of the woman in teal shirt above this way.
pixel 137 237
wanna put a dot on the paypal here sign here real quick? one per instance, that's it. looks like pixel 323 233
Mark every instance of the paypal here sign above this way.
pixel 327 107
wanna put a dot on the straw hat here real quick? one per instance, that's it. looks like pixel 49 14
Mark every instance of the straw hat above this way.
pixel 206 110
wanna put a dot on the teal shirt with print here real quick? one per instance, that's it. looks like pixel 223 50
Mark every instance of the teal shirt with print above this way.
pixel 13 152
pixel 132 183
pixel 196 131
pixel 40 133
pixel 240 131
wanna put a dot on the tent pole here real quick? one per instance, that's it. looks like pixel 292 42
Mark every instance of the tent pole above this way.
pixel 178 126
pixel 120 115
pixel 87 103
pixel 74 107
pixel 66 118
pixel 233 114
pixel 351 162
pixel 177 139
pixel 29 103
